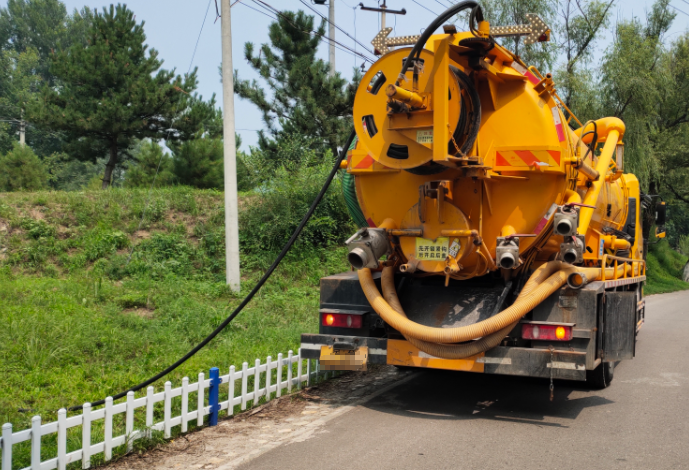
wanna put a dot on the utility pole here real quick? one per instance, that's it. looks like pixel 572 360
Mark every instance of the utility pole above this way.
pixel 230 153
pixel 332 37
pixel 22 130
pixel 383 7
pixel 383 10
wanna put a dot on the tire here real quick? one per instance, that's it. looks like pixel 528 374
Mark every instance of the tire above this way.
pixel 601 376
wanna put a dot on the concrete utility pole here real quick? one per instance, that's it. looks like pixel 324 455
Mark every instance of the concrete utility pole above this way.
pixel 22 130
pixel 230 153
pixel 383 7
pixel 332 37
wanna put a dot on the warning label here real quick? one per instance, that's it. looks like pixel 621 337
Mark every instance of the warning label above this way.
pixel 429 250
pixel 424 137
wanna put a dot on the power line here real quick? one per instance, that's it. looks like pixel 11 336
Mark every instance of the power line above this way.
pixel 348 50
pixel 441 4
pixel 678 9
pixel 272 17
pixel 335 25
pixel 424 7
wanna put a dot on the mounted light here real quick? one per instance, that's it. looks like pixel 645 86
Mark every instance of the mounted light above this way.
pixel 341 320
pixel 546 332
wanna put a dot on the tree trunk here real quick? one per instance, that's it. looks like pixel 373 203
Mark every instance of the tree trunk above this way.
pixel 685 274
pixel 110 166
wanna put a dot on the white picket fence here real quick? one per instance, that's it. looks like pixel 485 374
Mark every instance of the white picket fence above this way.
pixel 260 372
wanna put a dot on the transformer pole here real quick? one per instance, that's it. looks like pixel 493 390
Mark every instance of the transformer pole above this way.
pixel 230 153
pixel 332 37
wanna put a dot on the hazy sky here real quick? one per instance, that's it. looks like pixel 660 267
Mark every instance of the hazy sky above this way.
pixel 173 26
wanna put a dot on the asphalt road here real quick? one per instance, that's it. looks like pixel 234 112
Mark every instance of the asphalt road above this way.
pixel 444 420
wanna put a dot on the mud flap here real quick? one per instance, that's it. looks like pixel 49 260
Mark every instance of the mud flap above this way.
pixel 619 326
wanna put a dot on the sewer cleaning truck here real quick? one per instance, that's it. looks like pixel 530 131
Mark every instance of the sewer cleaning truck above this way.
pixel 499 234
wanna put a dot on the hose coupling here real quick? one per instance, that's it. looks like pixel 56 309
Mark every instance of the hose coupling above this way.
pixel 367 246
pixel 572 250
pixel 576 280
pixel 507 252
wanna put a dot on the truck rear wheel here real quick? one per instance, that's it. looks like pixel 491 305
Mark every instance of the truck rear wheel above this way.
pixel 600 377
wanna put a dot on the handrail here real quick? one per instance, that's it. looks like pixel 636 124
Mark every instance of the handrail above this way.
pixel 641 266
pixel 535 71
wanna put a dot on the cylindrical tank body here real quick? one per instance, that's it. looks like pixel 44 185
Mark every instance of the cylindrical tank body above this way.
pixel 479 169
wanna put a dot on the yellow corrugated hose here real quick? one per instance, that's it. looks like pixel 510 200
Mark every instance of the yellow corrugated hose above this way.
pixel 547 279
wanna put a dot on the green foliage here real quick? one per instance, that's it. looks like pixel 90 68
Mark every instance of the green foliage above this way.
pixel 67 174
pixel 305 99
pixel 22 170
pixel 684 245
pixel 271 216
pixel 114 91
pixel 148 160
pixel 665 267
pixel 199 163
pixel 73 306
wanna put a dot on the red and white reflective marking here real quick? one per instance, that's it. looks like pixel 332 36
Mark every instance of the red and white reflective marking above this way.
pixel 526 72
pixel 558 124
pixel 546 218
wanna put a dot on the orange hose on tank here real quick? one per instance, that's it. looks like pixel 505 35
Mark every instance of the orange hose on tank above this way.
pixel 542 283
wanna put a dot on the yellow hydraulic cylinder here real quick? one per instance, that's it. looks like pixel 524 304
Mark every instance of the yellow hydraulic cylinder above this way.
pixel 400 94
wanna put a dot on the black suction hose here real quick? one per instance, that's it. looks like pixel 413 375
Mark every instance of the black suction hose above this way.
pixel 251 294
pixel 437 23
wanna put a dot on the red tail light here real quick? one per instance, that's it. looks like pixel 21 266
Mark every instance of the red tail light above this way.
pixel 341 320
pixel 546 332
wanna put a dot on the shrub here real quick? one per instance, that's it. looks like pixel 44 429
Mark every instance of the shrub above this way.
pixel 148 155
pixel 268 219
pixel 199 163
pixel 22 170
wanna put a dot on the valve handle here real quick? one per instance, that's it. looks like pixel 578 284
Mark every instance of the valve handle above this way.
pixel 520 235
pixel 578 204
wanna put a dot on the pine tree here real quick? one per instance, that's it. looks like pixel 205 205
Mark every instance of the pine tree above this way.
pixel 302 98
pixel 113 92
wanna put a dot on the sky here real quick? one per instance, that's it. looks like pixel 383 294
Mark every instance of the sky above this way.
pixel 174 26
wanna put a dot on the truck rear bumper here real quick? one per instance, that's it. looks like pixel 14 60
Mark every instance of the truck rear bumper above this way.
pixel 504 360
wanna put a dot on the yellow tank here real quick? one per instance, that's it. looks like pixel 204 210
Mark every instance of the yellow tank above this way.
pixel 471 163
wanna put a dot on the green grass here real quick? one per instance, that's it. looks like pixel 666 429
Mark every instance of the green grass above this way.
pixel 665 267
pixel 81 323
pixel 81 320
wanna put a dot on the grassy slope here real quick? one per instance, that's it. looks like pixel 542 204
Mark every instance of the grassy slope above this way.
pixel 80 323
pixel 665 267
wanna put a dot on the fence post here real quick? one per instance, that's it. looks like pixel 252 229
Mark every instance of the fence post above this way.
pixel 107 431
pixel 149 411
pixel 185 403
pixel 62 439
pixel 279 377
pixel 36 443
pixel 245 367
pixel 200 400
pixel 289 371
pixel 129 422
pixel 230 393
pixel 167 412
pixel 86 436
pixel 213 395
pixel 7 446
pixel 269 360
pixel 299 360
pixel 257 381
